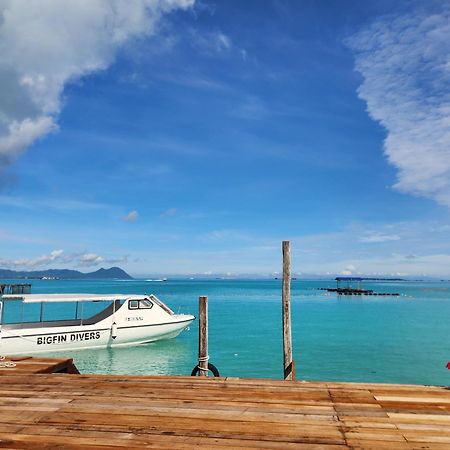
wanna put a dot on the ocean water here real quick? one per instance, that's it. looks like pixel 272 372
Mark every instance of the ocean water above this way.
pixel 402 339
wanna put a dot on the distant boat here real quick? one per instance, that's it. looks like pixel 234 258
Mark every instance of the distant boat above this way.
pixel 61 322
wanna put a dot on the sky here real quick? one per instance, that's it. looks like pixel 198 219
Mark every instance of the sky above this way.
pixel 179 137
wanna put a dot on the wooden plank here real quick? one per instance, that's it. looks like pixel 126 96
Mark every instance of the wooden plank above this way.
pixel 85 438
pixel 205 427
pixel 413 399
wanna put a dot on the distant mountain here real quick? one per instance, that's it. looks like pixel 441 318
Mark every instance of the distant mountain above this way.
pixel 113 272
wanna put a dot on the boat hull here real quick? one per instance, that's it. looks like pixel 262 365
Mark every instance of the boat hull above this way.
pixel 55 339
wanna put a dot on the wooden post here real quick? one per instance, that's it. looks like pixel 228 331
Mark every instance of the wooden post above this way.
pixel 203 336
pixel 289 372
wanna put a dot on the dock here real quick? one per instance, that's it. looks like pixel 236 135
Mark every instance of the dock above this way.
pixel 30 365
pixel 358 292
pixel 70 411
pixel 15 288
pixel 353 286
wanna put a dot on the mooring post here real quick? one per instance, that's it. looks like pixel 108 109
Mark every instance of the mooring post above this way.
pixel 289 371
pixel 203 336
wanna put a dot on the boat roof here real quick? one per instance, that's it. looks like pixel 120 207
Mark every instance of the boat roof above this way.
pixel 37 298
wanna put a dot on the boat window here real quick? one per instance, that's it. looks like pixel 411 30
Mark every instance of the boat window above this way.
pixel 133 304
pixel 31 312
pixel 60 311
pixel 15 311
pixel 76 310
pixel 145 304
pixel 97 309
pixel 140 304
pixel 12 311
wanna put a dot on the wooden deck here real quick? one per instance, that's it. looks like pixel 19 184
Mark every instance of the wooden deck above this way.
pixel 100 411
pixel 28 364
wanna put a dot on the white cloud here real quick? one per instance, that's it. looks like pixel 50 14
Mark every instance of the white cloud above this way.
pixel 210 43
pixel 132 216
pixel 225 235
pixel 421 248
pixel 349 270
pixel 45 44
pixel 405 65
pixel 90 259
pixel 19 135
pixel 42 260
pixel 222 41
pixel 59 258
pixel 62 204
pixel 375 237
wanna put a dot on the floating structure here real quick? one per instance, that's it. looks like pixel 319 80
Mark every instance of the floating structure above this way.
pixel 36 323
pixel 353 286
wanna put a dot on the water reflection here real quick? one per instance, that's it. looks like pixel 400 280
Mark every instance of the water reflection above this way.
pixel 158 358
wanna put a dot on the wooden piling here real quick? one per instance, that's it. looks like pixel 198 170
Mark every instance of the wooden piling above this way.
pixel 289 371
pixel 203 336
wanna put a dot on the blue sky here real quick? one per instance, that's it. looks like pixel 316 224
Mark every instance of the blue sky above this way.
pixel 182 137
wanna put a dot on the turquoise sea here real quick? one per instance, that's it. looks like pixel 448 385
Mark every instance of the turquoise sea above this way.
pixel 402 339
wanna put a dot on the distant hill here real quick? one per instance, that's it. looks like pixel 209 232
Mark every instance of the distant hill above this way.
pixel 113 272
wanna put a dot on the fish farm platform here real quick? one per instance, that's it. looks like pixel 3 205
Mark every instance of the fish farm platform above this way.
pixel 64 411
pixel 346 291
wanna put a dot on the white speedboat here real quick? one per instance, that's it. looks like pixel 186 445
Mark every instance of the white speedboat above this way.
pixel 36 323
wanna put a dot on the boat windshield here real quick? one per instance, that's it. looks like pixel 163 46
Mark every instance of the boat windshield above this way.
pixel 16 311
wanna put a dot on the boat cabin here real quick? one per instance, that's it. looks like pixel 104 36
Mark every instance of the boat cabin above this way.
pixel 53 310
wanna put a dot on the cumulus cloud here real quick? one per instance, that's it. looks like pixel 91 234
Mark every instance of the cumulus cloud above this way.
pixel 404 61
pixel 349 270
pixel 43 260
pixel 44 44
pixel 90 259
pixel 85 259
pixel 132 216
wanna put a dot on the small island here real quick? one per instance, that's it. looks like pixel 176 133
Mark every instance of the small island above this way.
pixel 67 274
